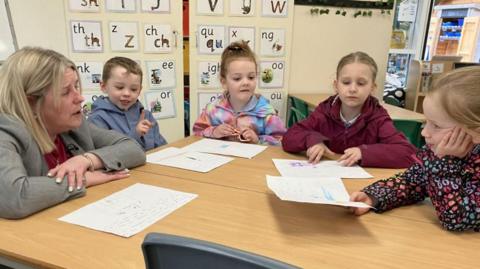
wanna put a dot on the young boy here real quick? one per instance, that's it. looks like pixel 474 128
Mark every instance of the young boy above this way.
pixel 121 111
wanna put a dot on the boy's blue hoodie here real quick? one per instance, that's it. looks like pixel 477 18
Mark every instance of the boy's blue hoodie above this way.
pixel 107 115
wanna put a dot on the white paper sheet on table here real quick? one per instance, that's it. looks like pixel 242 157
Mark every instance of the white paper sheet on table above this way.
pixel 157 156
pixel 302 168
pixel 130 210
pixel 225 148
pixel 196 161
pixel 322 190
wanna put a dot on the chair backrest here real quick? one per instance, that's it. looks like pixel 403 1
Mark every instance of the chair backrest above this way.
pixel 295 116
pixel 392 101
pixel 300 105
pixel 411 129
pixel 163 251
pixel 298 111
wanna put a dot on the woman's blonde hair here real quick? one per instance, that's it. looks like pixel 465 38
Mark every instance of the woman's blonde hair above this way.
pixel 28 74
pixel 458 92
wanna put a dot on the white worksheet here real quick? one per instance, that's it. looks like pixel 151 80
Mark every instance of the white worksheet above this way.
pixel 160 155
pixel 323 190
pixel 196 161
pixel 225 148
pixel 130 210
pixel 302 168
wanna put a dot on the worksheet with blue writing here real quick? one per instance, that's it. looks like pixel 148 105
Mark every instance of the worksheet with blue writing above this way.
pixel 225 148
pixel 302 168
pixel 320 190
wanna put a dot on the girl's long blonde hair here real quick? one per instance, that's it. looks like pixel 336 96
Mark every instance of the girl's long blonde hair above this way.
pixel 458 92
pixel 28 74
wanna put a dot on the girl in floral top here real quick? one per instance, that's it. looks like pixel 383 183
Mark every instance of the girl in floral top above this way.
pixel 448 167
pixel 240 114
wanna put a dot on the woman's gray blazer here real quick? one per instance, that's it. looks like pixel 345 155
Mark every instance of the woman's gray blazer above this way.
pixel 24 186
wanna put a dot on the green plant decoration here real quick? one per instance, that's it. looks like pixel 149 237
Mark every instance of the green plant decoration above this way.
pixel 341 12
pixel 375 4
pixel 363 8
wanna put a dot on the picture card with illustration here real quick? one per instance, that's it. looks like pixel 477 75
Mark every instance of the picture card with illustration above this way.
pixel 161 103
pixel 208 74
pixel 211 39
pixel 124 36
pixel 86 36
pixel 89 99
pixel 84 6
pixel 121 6
pixel 278 99
pixel 161 74
pixel 155 6
pixel 247 34
pixel 275 8
pixel 205 98
pixel 271 74
pixel 210 7
pixel 272 42
pixel 243 8
pixel 90 74
pixel 157 38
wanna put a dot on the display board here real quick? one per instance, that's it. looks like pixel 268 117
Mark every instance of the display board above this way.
pixel 147 31
pixel 267 27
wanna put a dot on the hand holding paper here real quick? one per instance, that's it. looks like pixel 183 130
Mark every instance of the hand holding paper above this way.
pixel 327 190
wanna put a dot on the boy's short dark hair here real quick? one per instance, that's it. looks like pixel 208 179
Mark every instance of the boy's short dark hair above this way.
pixel 130 65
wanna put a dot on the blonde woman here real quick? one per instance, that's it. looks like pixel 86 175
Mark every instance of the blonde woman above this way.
pixel 48 152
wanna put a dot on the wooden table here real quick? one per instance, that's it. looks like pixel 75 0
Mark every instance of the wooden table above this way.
pixel 396 113
pixel 249 174
pixel 310 236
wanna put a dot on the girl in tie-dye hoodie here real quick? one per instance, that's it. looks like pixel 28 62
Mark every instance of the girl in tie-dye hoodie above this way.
pixel 240 114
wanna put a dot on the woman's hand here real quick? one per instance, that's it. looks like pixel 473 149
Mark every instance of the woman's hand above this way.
pixel 455 143
pixel 100 177
pixel 224 130
pixel 74 169
pixel 351 156
pixel 315 153
pixel 360 197
pixel 248 135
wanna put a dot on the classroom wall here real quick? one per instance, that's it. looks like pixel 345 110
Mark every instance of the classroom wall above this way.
pixel 44 23
pixel 319 41
pixel 40 23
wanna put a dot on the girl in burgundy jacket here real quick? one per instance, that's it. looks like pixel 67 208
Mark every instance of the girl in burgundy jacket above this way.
pixel 352 123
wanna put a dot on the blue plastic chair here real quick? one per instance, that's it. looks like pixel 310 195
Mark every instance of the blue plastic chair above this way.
pixel 163 251
pixel 412 130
